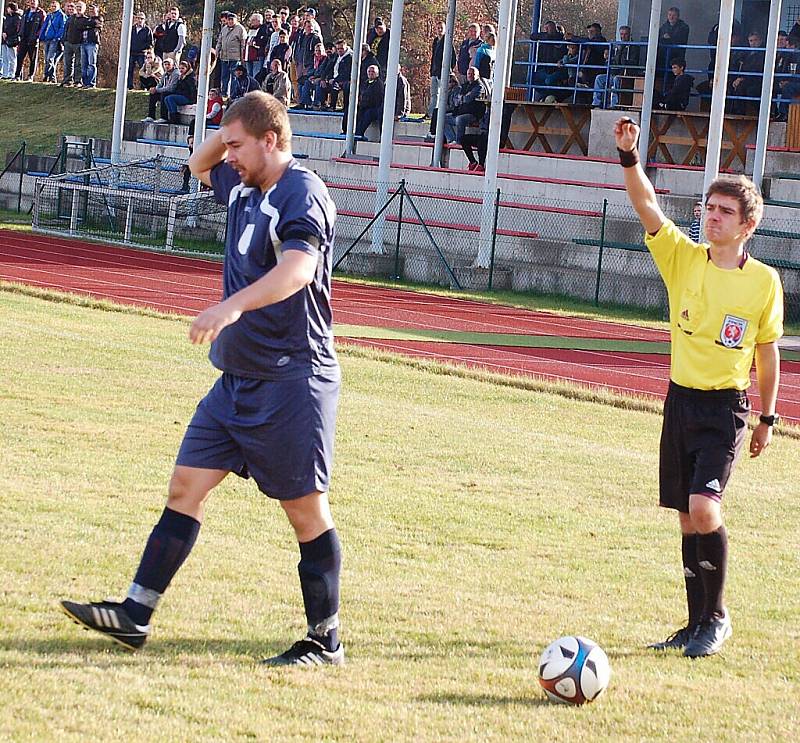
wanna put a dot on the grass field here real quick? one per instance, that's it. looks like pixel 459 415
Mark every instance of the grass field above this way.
pixel 479 522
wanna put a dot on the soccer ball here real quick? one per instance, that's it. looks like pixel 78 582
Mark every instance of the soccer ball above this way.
pixel 574 670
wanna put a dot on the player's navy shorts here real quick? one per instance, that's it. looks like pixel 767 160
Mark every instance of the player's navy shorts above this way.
pixel 701 440
pixel 279 433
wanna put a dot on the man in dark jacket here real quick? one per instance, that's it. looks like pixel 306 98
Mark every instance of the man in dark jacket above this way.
pixel 624 63
pixel 174 38
pixel 751 72
pixel 339 78
pixel 378 41
pixel 370 100
pixel 242 83
pixel 548 54
pixel 469 110
pixel 592 53
pixel 676 97
pixel 673 32
pixel 32 21
pixel 367 60
pixel 467 50
pixel 402 97
pixel 304 50
pixel 89 23
pixel 141 41
pixel 72 47
pixel 437 54
pixel 12 24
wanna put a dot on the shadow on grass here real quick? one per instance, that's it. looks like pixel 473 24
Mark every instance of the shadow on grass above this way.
pixel 487 700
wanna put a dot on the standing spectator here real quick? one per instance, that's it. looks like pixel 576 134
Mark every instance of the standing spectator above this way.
pixel 484 57
pixel 90 24
pixel 679 86
pixel 624 62
pixel 311 15
pixel 340 79
pixel 159 32
pixel 378 40
pixel 748 84
pixel 467 50
pixel 673 32
pixel 174 38
pixel 304 51
pixel 241 82
pixel 547 55
pixel 469 110
pixel 164 87
pixel 230 48
pixel 12 25
pixel 282 50
pixel 151 71
pixel 795 33
pixel 50 34
pixel 593 57
pixel 402 97
pixel 789 87
pixel 437 54
pixel 695 228
pixel 254 45
pixel 370 100
pixel 274 36
pixel 367 60
pixel 32 21
pixel 73 72
pixel 185 93
pixel 277 83
pixel 141 41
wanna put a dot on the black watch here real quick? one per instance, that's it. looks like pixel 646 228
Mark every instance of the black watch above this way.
pixel 769 420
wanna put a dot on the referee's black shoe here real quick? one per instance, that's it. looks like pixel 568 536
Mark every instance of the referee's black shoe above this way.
pixel 676 641
pixel 110 619
pixel 709 636
pixel 308 652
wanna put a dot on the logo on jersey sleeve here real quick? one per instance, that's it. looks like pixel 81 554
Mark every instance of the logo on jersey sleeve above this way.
pixel 732 332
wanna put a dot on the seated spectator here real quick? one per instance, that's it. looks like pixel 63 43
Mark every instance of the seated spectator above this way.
pixel 241 82
pixel 564 75
pixel 480 142
pixel 624 62
pixel 402 98
pixel 151 71
pixel 370 100
pixel 451 102
pixel 278 83
pixel 185 93
pixel 310 90
pixel 214 111
pixel 748 84
pixel 676 97
pixel 548 54
pixel 338 77
pixel 164 87
pixel 789 87
pixel 469 109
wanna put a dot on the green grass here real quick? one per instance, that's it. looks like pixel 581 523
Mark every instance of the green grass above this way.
pixel 479 522
pixel 38 113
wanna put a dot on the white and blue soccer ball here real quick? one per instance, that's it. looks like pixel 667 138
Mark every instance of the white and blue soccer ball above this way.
pixel 574 670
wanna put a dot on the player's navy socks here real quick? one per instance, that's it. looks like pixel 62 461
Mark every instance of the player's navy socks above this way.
pixel 712 556
pixel 695 591
pixel 169 545
pixel 320 562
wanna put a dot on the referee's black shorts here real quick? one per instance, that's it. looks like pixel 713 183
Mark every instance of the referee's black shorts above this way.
pixel 701 440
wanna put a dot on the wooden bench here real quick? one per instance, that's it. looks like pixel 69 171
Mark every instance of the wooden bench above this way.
pixel 538 126
pixel 736 130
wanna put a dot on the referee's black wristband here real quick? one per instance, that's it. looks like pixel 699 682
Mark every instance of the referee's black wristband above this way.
pixel 628 158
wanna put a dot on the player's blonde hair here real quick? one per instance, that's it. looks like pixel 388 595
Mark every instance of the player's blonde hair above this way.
pixel 744 191
pixel 260 113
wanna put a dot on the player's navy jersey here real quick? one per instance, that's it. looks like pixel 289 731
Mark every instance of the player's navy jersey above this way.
pixel 293 338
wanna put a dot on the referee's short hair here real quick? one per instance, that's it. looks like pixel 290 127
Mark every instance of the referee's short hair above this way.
pixel 260 113
pixel 744 191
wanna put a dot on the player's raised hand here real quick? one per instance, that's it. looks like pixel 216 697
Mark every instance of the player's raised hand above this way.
pixel 626 132
pixel 209 323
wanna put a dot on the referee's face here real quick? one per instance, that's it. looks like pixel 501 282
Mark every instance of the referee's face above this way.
pixel 724 223
pixel 252 158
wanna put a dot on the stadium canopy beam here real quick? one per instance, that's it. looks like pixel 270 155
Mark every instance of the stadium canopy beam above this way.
pixel 387 127
pixel 359 35
pixel 765 106
pixel 206 41
pixel 649 81
pixel 718 93
pixel 122 81
pixel 444 82
pixel 505 32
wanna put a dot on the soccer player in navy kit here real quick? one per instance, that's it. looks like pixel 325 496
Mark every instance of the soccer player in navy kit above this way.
pixel 272 413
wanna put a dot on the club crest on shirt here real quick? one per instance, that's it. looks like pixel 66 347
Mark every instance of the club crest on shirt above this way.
pixel 733 330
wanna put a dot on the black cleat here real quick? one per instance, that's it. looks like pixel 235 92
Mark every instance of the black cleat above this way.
pixel 676 641
pixel 110 619
pixel 709 636
pixel 308 652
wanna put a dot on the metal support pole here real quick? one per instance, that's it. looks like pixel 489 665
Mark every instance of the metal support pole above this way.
pixel 359 35
pixel 494 238
pixel 649 80
pixel 600 254
pixel 126 237
pixel 720 84
pixel 73 213
pixel 206 42
pixel 444 82
pixel 511 42
pixel 505 32
pixel 533 49
pixel 21 176
pixel 399 228
pixel 766 93
pixel 387 126
pixel 122 81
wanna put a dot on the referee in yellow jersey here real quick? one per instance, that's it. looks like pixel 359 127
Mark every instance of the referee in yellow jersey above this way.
pixel 725 309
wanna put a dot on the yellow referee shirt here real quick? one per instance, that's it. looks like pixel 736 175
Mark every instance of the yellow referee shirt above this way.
pixel 717 316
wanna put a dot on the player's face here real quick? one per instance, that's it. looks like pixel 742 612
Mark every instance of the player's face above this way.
pixel 724 224
pixel 249 156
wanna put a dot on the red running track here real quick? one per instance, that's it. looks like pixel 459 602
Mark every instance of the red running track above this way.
pixel 186 286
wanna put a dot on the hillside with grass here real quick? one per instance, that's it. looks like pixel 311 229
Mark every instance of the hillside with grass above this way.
pixel 39 113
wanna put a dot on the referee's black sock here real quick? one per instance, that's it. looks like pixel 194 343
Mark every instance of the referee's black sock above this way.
pixel 695 591
pixel 319 566
pixel 712 556
pixel 169 545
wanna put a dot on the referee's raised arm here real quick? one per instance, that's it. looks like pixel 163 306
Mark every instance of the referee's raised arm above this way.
pixel 640 190
pixel 206 156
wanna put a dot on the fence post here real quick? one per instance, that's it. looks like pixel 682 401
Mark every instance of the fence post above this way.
pixel 128 220
pixel 399 227
pixel 63 154
pixel 171 219
pixel 21 176
pixel 600 254
pixel 494 238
